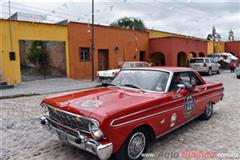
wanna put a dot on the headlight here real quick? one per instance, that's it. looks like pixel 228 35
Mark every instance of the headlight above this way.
pixel 45 109
pixel 95 131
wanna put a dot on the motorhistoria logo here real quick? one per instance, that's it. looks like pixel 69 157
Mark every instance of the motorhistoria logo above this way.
pixel 189 154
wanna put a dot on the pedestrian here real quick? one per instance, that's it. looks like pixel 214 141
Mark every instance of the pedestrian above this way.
pixel 231 65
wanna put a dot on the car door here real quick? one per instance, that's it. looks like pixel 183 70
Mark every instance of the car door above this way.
pixel 198 92
pixel 183 100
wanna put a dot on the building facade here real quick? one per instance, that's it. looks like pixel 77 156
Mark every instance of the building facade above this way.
pixel 233 47
pixel 176 51
pixel 14 33
pixel 112 47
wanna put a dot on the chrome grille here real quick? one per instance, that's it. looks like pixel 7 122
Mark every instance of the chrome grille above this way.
pixel 77 123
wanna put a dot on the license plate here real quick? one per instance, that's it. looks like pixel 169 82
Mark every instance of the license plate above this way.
pixel 63 137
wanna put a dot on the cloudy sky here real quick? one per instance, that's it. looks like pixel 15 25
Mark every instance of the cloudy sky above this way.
pixel 190 17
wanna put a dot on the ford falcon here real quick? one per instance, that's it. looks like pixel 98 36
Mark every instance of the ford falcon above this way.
pixel 122 118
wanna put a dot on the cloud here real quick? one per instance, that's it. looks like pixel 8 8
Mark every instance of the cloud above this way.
pixel 191 17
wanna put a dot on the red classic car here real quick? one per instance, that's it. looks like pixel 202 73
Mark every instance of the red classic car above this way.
pixel 123 117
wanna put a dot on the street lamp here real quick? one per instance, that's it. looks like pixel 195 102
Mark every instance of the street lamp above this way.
pixel 93 48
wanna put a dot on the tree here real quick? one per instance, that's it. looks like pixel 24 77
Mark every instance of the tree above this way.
pixel 129 23
pixel 38 55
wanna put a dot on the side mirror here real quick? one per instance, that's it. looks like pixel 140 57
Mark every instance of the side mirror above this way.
pixel 180 87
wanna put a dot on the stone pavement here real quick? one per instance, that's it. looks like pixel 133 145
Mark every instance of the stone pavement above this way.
pixel 22 136
pixel 47 86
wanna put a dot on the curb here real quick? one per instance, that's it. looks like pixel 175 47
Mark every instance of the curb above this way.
pixel 37 94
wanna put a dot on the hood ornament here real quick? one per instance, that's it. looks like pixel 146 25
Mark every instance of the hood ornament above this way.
pixel 90 104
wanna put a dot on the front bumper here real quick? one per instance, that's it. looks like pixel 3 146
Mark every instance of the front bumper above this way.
pixel 103 151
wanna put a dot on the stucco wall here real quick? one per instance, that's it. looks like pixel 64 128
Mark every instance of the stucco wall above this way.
pixel 233 47
pixel 105 38
pixel 171 46
pixel 26 31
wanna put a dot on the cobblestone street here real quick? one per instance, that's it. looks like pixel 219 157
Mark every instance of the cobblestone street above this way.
pixel 23 137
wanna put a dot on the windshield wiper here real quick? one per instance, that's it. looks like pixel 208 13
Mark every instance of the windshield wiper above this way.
pixel 108 84
pixel 133 86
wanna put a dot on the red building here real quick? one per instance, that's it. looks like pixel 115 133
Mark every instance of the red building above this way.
pixel 176 51
pixel 233 47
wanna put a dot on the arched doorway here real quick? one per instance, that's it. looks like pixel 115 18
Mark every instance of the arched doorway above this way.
pixel 157 59
pixel 182 59
pixel 192 55
pixel 201 54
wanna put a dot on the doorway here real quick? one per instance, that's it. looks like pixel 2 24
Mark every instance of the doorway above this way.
pixel 42 59
pixel 142 56
pixel 103 56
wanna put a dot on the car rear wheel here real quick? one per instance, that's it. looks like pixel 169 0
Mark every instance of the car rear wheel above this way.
pixel 135 145
pixel 208 112
pixel 219 71
pixel 210 72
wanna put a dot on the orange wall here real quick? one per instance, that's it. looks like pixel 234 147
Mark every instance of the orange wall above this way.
pixel 105 38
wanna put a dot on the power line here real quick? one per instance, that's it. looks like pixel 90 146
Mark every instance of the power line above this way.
pixel 46 14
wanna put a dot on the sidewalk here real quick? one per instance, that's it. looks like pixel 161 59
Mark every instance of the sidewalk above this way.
pixel 47 86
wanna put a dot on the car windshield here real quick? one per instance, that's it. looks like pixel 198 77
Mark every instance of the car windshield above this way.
pixel 127 65
pixel 142 79
pixel 196 61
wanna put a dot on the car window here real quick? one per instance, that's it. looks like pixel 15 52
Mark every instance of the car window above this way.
pixel 141 64
pixel 195 78
pixel 127 65
pixel 207 61
pixel 179 78
pixel 187 78
pixel 196 61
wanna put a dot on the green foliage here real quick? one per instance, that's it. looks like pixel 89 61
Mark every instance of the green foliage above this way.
pixel 38 55
pixel 129 23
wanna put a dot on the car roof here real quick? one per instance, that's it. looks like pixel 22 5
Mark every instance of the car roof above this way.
pixel 165 68
pixel 135 62
pixel 201 58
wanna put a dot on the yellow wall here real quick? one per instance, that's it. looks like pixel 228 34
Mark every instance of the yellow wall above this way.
pixel 218 47
pixel 210 47
pixel 26 31
pixel 159 34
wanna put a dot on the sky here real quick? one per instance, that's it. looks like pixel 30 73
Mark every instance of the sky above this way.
pixel 188 17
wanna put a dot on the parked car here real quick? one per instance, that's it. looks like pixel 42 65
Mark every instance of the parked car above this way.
pixel 205 65
pixel 238 72
pixel 139 105
pixel 107 76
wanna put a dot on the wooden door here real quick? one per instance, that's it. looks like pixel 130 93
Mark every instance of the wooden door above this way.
pixel 103 56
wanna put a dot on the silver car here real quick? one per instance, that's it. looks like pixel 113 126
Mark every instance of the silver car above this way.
pixel 205 65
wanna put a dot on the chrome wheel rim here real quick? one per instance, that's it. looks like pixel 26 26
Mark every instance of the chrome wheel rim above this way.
pixel 209 110
pixel 136 145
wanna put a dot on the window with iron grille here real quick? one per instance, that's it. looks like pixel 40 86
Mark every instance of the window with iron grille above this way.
pixel 84 54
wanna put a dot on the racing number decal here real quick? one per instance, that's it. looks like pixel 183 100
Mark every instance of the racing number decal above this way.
pixel 188 105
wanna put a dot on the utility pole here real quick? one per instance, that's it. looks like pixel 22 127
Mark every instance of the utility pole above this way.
pixel 93 47
pixel 10 27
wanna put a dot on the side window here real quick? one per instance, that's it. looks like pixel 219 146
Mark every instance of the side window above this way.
pixel 195 78
pixel 84 54
pixel 179 78
pixel 184 76
pixel 207 61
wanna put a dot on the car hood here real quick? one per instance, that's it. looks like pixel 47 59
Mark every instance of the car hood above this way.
pixel 99 102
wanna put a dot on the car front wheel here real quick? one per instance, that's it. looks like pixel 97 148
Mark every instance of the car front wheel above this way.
pixel 135 145
pixel 208 112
